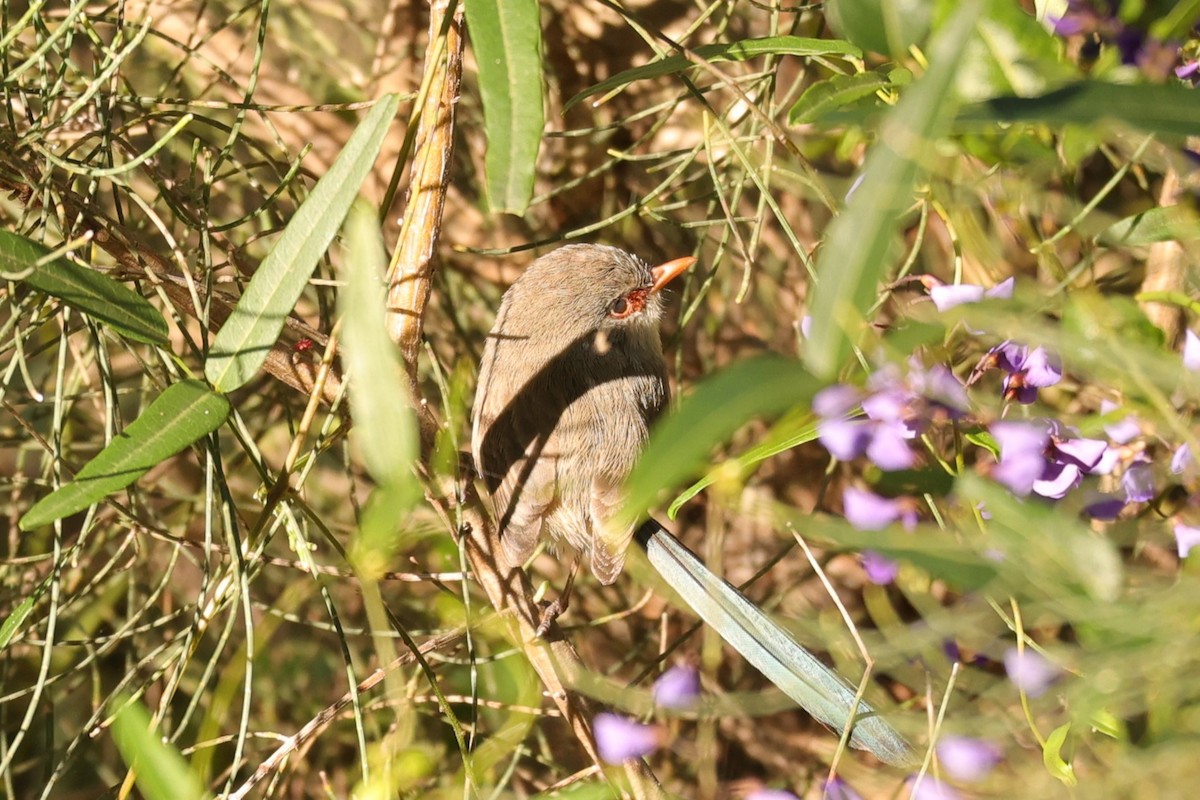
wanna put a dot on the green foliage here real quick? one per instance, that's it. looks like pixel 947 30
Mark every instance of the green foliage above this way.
pixel 855 255
pixel 265 596
pixel 160 771
pixel 716 53
pixel 183 414
pixel 82 288
pixel 241 346
pixel 1161 109
pixel 506 36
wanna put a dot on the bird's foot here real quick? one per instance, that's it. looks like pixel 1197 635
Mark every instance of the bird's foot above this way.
pixel 550 612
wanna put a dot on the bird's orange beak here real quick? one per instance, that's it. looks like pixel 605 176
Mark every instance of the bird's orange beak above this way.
pixel 665 273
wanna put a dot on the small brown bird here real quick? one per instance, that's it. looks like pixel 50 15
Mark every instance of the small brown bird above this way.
pixel 572 375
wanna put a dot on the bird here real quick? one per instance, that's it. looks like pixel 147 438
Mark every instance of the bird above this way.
pixel 571 378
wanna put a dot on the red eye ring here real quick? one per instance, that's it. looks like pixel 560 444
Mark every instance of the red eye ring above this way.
pixel 620 308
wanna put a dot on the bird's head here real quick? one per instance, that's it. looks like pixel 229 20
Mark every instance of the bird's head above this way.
pixel 588 287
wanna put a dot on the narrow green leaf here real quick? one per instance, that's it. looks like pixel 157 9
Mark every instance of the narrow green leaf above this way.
pixel 679 446
pixel 1172 223
pixel 385 424
pixel 736 51
pixel 87 291
pixel 791 431
pixel 16 619
pixel 185 412
pixel 160 771
pixel 1155 108
pixel 507 38
pixel 242 344
pixel 855 255
pixel 1052 756
pixel 833 93
pixel 940 554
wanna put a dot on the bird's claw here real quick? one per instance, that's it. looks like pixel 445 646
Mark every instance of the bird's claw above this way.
pixel 550 612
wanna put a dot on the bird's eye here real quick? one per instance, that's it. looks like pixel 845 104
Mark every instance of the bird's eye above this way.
pixel 619 308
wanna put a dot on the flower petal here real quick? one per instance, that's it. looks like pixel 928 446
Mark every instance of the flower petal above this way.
pixel 1186 537
pixel 888 448
pixel 775 794
pixel 1191 352
pixel 678 687
pixel 868 511
pixel 1030 671
pixel 1057 479
pixel 1022 454
pixel 845 439
pixel 1002 290
pixel 930 788
pixel 967 759
pixel 1181 459
pixel 1125 429
pixel 620 739
pixel 1104 507
pixel 880 569
pixel 1042 369
pixel 835 401
pixel 951 295
pixel 1083 453
pixel 1138 482
pixel 837 789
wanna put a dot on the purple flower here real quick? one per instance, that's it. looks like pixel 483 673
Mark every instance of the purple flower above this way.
pixel 838 789
pixel 1188 70
pixel 868 511
pixel 967 759
pixel 1125 429
pixel 1186 537
pixel 948 295
pixel 1138 481
pixel 880 569
pixel 1104 507
pixel 1029 671
pixel 1028 370
pixel 882 435
pixel 1191 352
pixel 678 687
pixel 941 389
pixel 1022 454
pixel 620 739
pixel 930 788
pixel 771 794
pixel 1037 458
pixel 1181 460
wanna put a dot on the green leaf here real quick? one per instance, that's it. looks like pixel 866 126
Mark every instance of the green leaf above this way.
pixel 940 554
pixel 1155 108
pixel 855 254
pixel 160 771
pixel 84 289
pixel 833 93
pixel 16 618
pixel 1047 551
pixel 185 412
pixel 737 51
pixel 1052 756
pixel 242 344
pixel 881 26
pixel 507 38
pixel 1172 223
pixel 790 432
pixel 679 446
pixel 385 424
